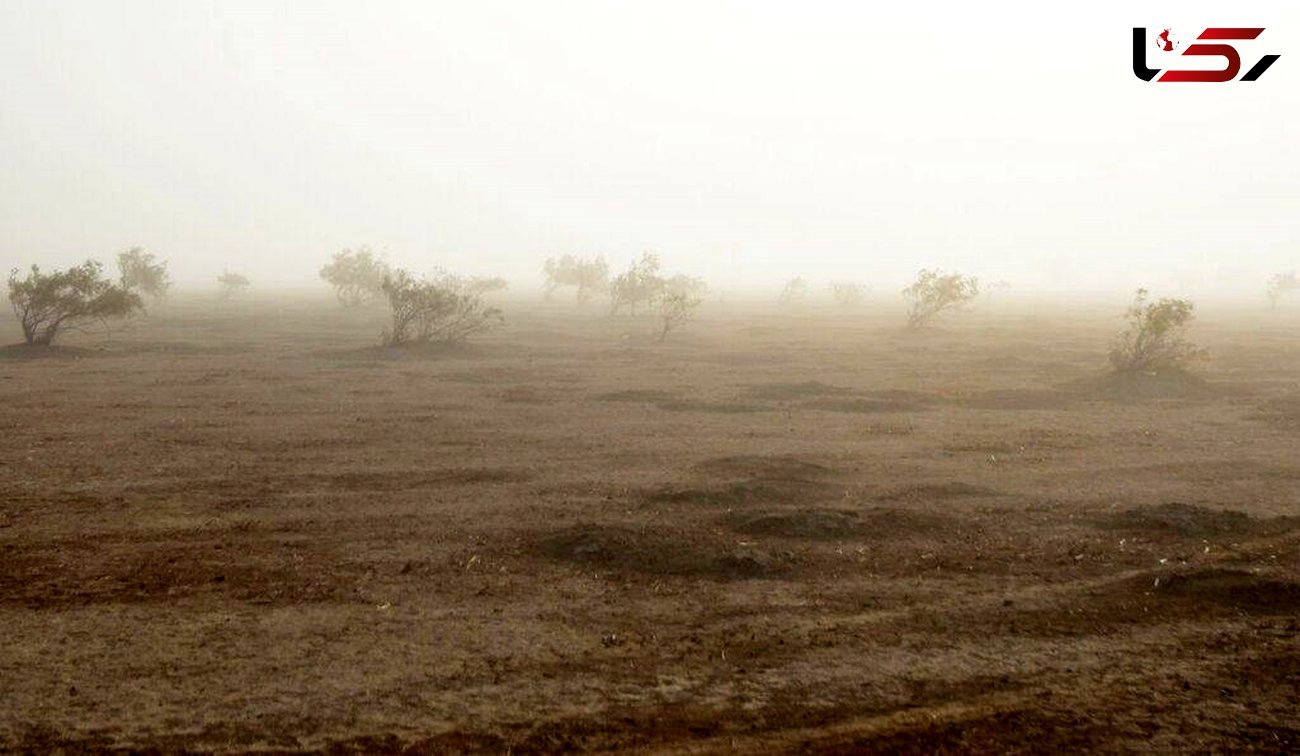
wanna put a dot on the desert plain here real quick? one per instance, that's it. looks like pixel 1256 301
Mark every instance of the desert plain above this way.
pixel 240 525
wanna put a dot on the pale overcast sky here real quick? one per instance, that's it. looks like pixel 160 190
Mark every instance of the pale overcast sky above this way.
pixel 745 141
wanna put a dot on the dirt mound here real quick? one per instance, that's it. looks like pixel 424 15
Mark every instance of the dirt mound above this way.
pixel 451 744
pixel 790 391
pixel 938 491
pixel 637 395
pixel 697 405
pixel 759 467
pixel 812 524
pixel 890 522
pixel 1001 732
pixel 656 552
pixel 1233 589
pixel 862 406
pixel 405 480
pixel 253 571
pixel 1169 384
pixel 1192 593
pixel 670 402
pixel 1182 519
pixel 753 479
pixel 1019 399
pixel 747 493
pixel 1151 598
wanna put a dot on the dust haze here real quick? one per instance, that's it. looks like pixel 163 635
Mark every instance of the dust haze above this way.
pixel 745 142
pixel 755 377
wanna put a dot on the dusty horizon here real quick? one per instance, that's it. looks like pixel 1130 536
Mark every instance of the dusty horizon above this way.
pixel 745 143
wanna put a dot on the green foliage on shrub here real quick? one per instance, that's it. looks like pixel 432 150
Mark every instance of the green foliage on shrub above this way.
pixel 49 304
pixel 140 271
pixel 356 275
pixel 1155 339
pixel 443 309
pixel 935 291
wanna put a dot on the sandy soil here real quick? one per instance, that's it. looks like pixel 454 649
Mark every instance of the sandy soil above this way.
pixel 239 526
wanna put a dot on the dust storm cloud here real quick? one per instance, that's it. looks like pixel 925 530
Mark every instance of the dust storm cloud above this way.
pixel 746 142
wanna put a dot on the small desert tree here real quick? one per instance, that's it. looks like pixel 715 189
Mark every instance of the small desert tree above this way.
pixel 848 294
pixel 675 309
pixel 639 284
pixel 1280 285
pixel 590 277
pixel 935 291
pixel 481 285
pixel 436 310
pixel 1155 339
pixel 356 275
pixel 47 304
pixel 689 286
pixel 139 271
pixel 232 283
pixel 795 291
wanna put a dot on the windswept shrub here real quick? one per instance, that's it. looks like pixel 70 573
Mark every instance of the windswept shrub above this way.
pixel 485 284
pixel 356 275
pixel 935 291
pixel 1280 285
pixel 1155 339
pixel 139 271
pixel 232 283
pixel 795 291
pixel 689 286
pixel 48 304
pixel 675 309
pixel 437 310
pixel 640 284
pixel 590 277
pixel 848 294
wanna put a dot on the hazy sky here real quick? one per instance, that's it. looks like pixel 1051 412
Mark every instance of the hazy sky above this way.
pixel 745 141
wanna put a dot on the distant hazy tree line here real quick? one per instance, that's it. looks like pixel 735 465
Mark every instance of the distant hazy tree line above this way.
pixel 589 278
pixel 846 294
pixel 447 308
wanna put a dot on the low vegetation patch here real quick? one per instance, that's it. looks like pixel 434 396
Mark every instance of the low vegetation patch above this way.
pixel 1155 340
pixel 437 310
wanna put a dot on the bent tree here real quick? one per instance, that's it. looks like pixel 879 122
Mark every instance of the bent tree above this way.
pixel 934 291
pixel 139 270
pixel 589 277
pixel 48 304
pixel 640 284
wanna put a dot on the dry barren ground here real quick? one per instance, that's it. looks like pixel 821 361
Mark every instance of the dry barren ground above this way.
pixel 238 526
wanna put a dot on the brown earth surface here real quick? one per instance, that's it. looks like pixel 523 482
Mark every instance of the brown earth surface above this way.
pixel 240 526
